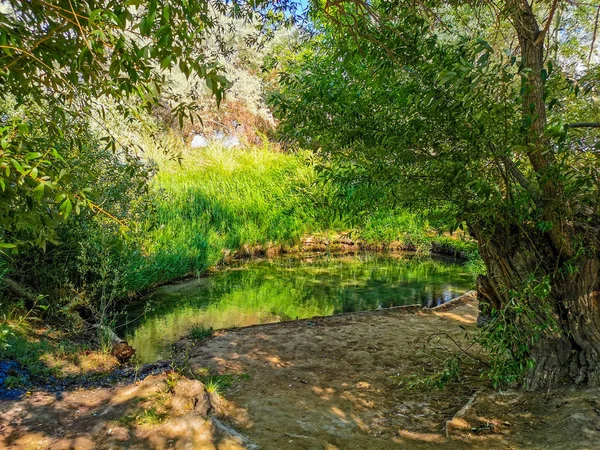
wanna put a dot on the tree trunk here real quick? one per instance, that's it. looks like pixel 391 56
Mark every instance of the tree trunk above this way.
pixel 570 353
pixel 531 41
pixel 515 253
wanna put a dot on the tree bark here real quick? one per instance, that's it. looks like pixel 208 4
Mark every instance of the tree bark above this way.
pixel 570 353
pixel 515 251
pixel 535 120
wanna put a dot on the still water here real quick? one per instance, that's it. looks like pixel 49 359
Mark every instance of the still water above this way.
pixel 262 291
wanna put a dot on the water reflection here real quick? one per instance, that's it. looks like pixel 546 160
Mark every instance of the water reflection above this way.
pixel 265 291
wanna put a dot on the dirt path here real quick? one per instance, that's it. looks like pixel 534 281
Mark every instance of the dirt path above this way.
pixel 326 383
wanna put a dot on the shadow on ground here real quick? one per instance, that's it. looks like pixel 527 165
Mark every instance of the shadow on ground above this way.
pixel 342 383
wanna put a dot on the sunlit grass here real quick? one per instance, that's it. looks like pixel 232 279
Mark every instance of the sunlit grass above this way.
pixel 148 416
pixel 43 353
pixel 219 384
pixel 216 200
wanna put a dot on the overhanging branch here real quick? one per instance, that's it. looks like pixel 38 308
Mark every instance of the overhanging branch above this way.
pixel 583 125
pixel 540 38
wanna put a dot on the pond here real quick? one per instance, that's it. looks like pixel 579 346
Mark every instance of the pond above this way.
pixel 285 288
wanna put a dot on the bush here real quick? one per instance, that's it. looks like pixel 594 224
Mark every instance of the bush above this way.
pixel 91 249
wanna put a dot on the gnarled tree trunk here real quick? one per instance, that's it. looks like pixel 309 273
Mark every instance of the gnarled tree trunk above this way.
pixel 571 351
pixel 513 252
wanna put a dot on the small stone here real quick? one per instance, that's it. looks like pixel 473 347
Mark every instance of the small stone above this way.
pixel 231 141
pixel 199 141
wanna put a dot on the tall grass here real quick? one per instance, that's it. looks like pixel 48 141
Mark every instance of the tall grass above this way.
pixel 214 200
pixel 211 201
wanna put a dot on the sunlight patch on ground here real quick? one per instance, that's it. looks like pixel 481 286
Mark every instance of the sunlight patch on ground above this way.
pixel 425 437
pixel 464 318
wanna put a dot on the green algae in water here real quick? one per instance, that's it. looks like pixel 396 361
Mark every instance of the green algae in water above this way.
pixel 264 291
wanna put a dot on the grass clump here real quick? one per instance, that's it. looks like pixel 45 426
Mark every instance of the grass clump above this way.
pixel 213 386
pixel 217 383
pixel 146 416
pixel 201 333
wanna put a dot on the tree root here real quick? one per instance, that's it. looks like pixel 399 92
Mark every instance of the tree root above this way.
pixel 457 420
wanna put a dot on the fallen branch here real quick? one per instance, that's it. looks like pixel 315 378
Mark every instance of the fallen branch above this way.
pixel 583 125
pixel 460 414
pixel 120 347
pixel 18 290
pixel 241 438
pixel 299 436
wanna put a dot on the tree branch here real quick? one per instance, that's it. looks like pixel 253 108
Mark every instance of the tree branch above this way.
pixel 583 125
pixel 543 33
pixel 593 38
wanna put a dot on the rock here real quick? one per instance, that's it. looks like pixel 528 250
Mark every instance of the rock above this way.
pixel 199 141
pixel 188 396
pixel 123 351
pixel 231 141
pixel 217 403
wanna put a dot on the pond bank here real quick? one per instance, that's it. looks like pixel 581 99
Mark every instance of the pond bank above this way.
pixel 291 287
pixel 341 243
pixel 327 383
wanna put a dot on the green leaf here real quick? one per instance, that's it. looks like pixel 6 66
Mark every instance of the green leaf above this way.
pixel 32 155
pixel 38 191
pixel 66 207
pixel 485 45
pixel 18 166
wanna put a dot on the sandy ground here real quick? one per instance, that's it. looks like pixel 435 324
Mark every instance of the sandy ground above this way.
pixel 97 419
pixel 331 383
pixel 326 383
